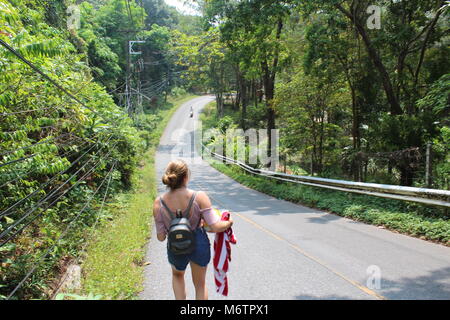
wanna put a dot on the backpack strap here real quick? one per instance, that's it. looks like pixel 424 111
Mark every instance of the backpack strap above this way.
pixel 188 209
pixel 186 212
pixel 171 214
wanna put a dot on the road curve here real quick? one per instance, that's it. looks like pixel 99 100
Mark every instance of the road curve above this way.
pixel 288 251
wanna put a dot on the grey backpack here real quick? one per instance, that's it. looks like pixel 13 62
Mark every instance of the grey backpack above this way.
pixel 181 238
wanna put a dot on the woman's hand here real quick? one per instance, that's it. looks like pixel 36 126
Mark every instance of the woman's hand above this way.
pixel 231 221
pixel 222 225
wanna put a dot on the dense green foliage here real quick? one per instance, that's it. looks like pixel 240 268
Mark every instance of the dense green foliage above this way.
pixel 408 218
pixel 394 215
pixel 61 157
pixel 351 100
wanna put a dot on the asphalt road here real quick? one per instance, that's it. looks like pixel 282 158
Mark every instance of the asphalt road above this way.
pixel 287 251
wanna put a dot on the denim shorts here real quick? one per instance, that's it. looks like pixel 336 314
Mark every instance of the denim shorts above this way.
pixel 201 254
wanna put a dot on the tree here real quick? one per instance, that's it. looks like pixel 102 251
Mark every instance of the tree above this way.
pixel 256 27
pixel 307 125
pixel 205 58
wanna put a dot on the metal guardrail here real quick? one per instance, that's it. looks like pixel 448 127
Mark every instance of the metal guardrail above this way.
pixel 420 195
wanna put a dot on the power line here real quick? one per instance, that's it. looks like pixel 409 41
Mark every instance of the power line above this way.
pixel 89 237
pixel 33 145
pixel 24 158
pixel 117 88
pixel 17 232
pixel 25 111
pixel 50 196
pixel 30 130
pixel 35 154
pixel 42 142
pixel 37 168
pixel 18 160
pixel 7 231
pixel 156 83
pixel 42 257
pixel 36 69
pixel 5 212
pixel 23 174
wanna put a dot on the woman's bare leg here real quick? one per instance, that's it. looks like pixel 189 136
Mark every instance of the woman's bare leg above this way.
pixel 199 279
pixel 178 286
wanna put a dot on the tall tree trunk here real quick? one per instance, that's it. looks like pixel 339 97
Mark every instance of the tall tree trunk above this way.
pixel 376 60
pixel 321 137
pixel 238 89
pixel 356 135
pixel 406 175
pixel 424 45
pixel 244 102
pixel 269 88
pixel 314 149
pixel 219 103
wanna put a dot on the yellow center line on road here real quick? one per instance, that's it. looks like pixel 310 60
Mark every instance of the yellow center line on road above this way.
pixel 298 249
pixel 301 251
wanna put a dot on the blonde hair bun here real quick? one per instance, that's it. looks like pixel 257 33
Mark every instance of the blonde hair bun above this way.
pixel 175 174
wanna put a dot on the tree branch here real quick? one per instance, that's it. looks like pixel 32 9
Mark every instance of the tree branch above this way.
pixel 373 54
pixel 424 46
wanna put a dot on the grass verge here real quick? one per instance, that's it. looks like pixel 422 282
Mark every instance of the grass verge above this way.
pixel 113 267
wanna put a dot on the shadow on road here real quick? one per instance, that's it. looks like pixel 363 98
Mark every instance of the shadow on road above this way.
pixel 431 286
pixel 228 192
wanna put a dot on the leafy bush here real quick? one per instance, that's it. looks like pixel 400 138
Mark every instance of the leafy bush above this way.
pixel 178 92
pixel 416 220
pixel 54 152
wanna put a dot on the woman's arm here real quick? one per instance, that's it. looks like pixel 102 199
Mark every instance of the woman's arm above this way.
pixel 204 203
pixel 160 228
pixel 221 226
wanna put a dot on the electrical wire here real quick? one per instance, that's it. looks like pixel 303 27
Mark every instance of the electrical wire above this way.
pixel 30 130
pixel 6 212
pixel 25 111
pixel 18 160
pixel 23 174
pixel 45 254
pixel 33 145
pixel 91 235
pixel 39 71
pixel 7 231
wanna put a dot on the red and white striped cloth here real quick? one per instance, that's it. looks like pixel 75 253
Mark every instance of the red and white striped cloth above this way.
pixel 222 256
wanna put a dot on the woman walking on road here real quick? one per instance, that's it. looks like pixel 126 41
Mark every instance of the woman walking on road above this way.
pixel 196 207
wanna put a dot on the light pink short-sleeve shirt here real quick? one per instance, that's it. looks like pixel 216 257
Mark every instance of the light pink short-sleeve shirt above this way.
pixel 162 219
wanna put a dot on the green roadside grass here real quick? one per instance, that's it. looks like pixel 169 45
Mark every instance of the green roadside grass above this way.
pixel 425 222
pixel 113 267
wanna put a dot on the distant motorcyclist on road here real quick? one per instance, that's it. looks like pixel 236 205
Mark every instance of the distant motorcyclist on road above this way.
pixel 191 114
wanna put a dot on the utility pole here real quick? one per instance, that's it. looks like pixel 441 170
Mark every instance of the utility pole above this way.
pixel 128 82
pixel 127 95
pixel 168 82
pixel 130 51
pixel 139 84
